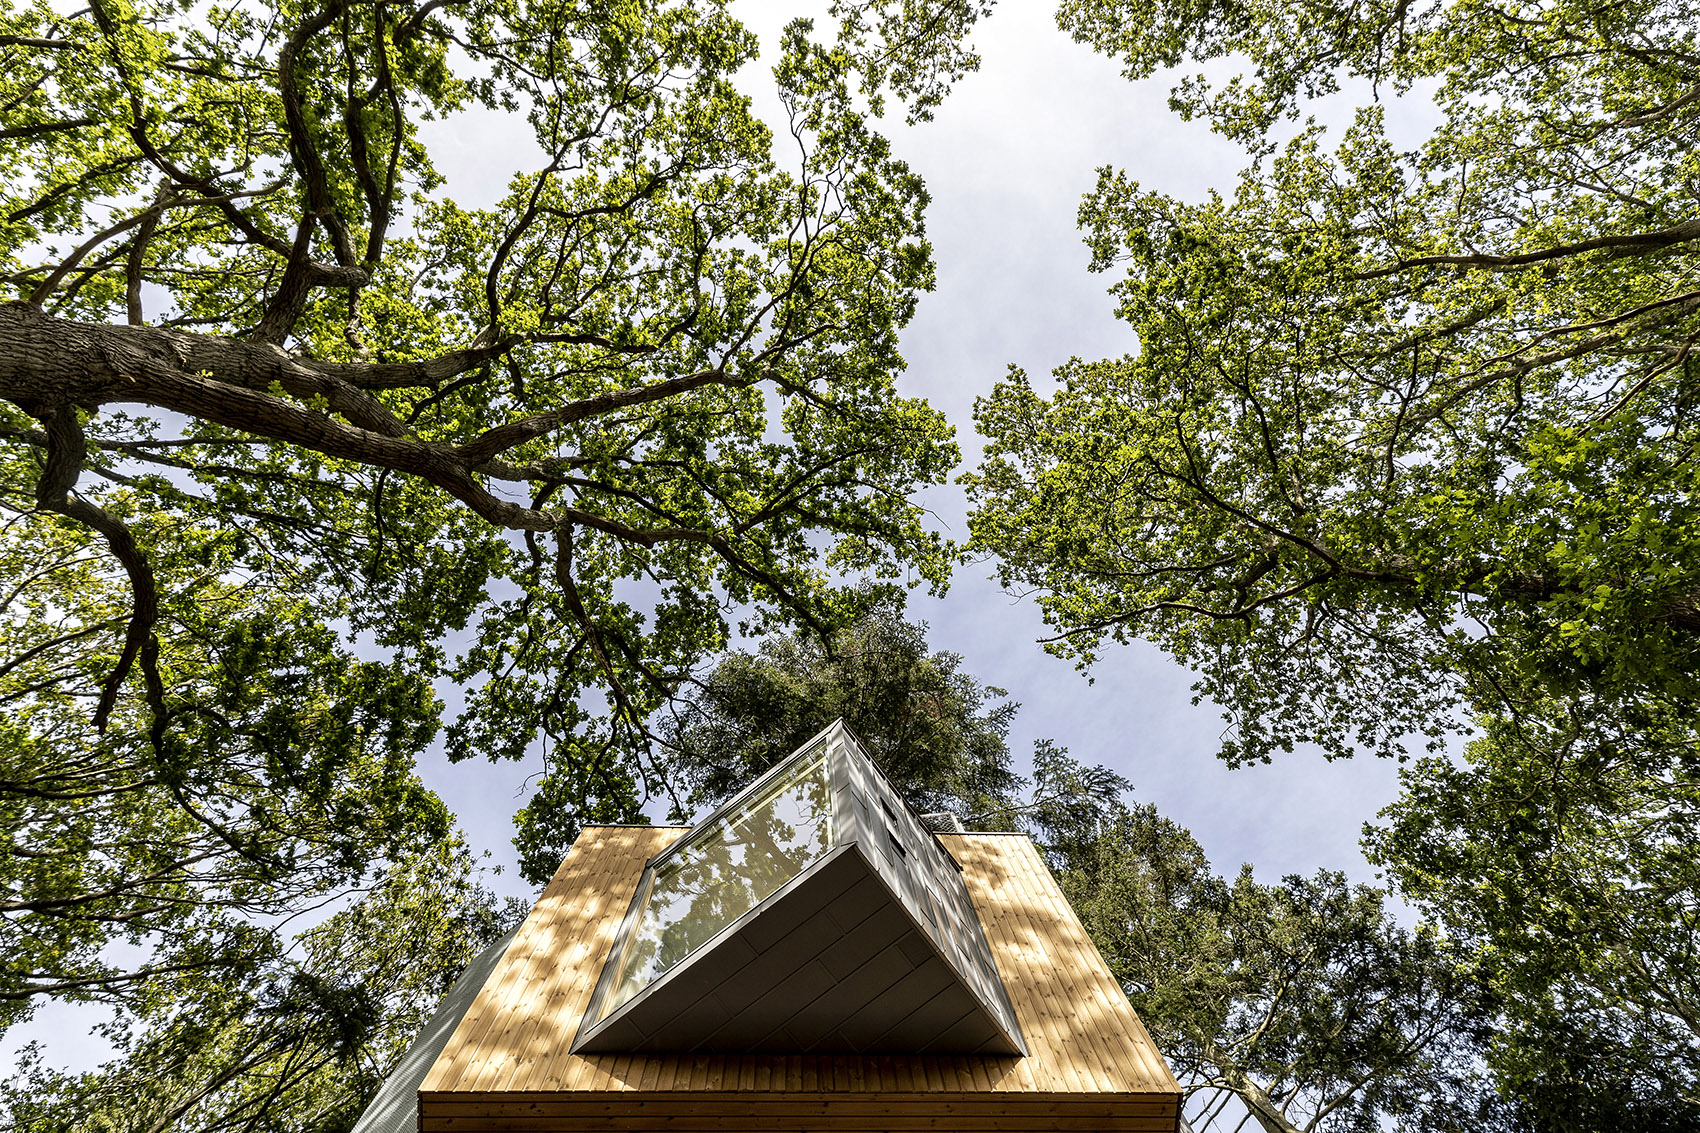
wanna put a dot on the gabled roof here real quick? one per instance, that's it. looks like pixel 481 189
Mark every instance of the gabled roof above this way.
pixel 813 912
pixel 1090 1064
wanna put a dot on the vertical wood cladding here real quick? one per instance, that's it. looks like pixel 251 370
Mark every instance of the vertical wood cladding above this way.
pixel 1090 1064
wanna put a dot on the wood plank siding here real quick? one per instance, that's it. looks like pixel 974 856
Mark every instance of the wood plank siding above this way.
pixel 1091 1065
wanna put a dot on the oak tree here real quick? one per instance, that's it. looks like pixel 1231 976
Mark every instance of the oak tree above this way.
pixel 305 1043
pixel 142 853
pixel 1560 852
pixel 1409 432
pixel 1407 452
pixel 666 355
pixel 1299 1007
pixel 290 438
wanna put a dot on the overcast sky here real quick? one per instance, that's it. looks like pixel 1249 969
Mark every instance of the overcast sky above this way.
pixel 1007 160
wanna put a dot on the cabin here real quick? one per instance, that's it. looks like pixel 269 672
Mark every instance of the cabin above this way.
pixel 811 956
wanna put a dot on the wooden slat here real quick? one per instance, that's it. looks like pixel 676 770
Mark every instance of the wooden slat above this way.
pixel 1107 1006
pixel 735 1111
pixel 988 886
pixel 753 1121
pixel 724 1103
pixel 1052 965
pixel 1083 1039
pixel 1033 986
pixel 580 946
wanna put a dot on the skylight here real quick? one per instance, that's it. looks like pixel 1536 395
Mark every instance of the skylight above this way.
pixel 723 870
pixel 813 912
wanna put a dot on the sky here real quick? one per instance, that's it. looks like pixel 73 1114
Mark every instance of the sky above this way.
pixel 1006 159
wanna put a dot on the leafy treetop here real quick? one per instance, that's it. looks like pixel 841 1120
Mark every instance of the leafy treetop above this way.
pixel 266 387
pixel 651 386
pixel 1407 432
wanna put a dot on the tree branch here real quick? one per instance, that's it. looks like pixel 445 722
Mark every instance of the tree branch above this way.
pixel 1638 243
pixel 67 449
pixel 499 439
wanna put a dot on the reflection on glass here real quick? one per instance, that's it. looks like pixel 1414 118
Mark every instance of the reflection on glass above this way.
pixel 725 871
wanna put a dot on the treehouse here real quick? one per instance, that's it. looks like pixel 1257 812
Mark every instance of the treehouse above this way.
pixel 810 956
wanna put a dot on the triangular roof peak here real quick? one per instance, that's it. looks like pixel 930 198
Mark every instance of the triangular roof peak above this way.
pixel 812 912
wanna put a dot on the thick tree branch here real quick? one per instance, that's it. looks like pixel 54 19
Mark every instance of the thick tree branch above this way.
pixel 1636 243
pixel 46 128
pixel 302 148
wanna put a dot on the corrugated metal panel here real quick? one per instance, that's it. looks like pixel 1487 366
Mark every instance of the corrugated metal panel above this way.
pixel 915 862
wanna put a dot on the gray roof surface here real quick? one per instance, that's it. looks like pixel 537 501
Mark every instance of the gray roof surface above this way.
pixel 395 1109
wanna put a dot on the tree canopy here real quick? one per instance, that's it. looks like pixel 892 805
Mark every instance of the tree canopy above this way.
pixel 1562 854
pixel 1406 454
pixel 285 778
pixel 939 734
pixel 291 440
pixel 1301 1005
pixel 1409 431
pixel 665 359
pixel 303 1042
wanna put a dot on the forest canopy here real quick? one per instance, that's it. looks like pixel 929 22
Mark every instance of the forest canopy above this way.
pixel 1405 462
pixel 291 441
pixel 296 449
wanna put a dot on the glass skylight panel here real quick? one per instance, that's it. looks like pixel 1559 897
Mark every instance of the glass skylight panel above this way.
pixel 724 871
pixel 812 912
